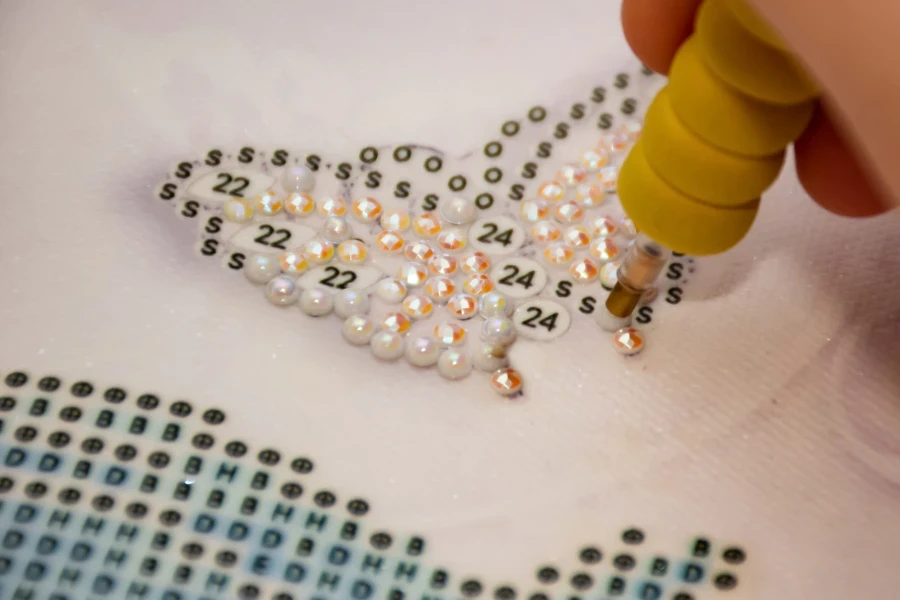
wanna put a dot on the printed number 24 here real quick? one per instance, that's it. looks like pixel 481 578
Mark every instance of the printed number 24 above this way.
pixel 491 235
pixel 548 322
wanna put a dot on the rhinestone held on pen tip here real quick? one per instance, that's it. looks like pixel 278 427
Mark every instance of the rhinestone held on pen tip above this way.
pixel 365 209
pixel 628 228
pixel 418 251
pixel 449 334
pixel 427 225
pixel 352 252
pixel 299 205
pixel 451 240
pixel 269 203
pixel 609 274
pixel 412 274
pixel 332 206
pixel 628 341
pixel 571 174
pixel 458 210
pixel 551 191
pixel 293 262
pixel 395 220
pixel 506 382
pixel 238 210
pixel 389 242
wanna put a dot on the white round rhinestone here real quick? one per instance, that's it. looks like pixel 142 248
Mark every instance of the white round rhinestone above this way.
pixel 298 179
pixel 358 330
pixel 494 304
pixel 423 352
pixel 350 302
pixel 498 331
pixel 454 364
pixel 282 291
pixel 490 358
pixel 391 290
pixel 387 345
pixel 458 210
pixel 261 268
pixel 316 302
pixel 336 229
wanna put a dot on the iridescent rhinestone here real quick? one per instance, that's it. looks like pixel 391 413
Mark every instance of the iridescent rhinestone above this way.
pixel 332 206
pixel 628 341
pixel 452 240
pixel 396 322
pixel 316 302
pixel 261 268
pixel 293 262
pixel 603 227
pixel 604 250
pixel 545 231
pixel 298 178
pixel 534 210
pixel 449 334
pixel 440 288
pixel 590 195
pixel 609 274
pixel 238 210
pixel 351 302
pixel 395 220
pixel 571 175
pixel 282 291
pixel 551 191
pixel 490 358
pixel 458 210
pixel 477 284
pixel 506 382
pixel 615 142
pixel 389 241
pixel 418 251
pixel 366 209
pixel 584 270
pixel 595 159
pixel 498 331
pixel 418 306
pixel 577 236
pixel 412 274
pixel 427 225
pixel 494 304
pixel 390 290
pixel 336 229
pixel 454 364
pixel 559 254
pixel 352 252
pixel 609 178
pixel 358 330
pixel 319 250
pixel 463 306
pixel 477 262
pixel 299 205
pixel 568 212
pixel 387 345
pixel 442 264
pixel 423 352
pixel 632 130
pixel 268 203
pixel 629 230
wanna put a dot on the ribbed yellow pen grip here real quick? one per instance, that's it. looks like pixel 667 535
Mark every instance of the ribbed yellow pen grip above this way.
pixel 715 137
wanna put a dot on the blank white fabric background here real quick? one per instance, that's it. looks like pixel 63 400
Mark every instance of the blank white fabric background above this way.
pixel 767 412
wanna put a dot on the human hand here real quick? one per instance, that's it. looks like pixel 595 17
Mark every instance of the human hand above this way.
pixel 846 157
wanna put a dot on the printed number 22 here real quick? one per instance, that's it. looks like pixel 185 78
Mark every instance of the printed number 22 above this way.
pixel 333 273
pixel 548 322
pixel 492 236
pixel 240 184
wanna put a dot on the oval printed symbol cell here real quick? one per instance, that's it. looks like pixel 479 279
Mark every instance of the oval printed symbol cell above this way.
pixel 496 235
pixel 541 320
pixel 272 237
pixel 340 277
pixel 219 186
pixel 519 277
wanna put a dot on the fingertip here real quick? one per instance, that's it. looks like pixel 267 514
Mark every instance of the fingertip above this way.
pixel 831 173
pixel 656 28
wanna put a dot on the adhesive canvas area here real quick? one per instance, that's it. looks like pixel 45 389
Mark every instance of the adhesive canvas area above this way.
pixel 163 425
